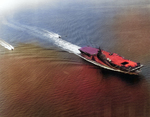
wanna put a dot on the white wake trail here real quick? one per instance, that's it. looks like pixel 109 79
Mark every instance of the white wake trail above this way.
pixel 46 35
pixel 72 48
pixel 6 45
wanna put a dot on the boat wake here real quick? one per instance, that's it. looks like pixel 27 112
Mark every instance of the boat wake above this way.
pixel 6 45
pixel 45 35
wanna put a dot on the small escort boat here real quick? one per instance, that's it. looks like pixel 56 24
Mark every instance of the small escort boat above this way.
pixel 110 61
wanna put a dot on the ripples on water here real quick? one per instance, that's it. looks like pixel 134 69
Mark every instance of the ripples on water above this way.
pixel 48 82
pixel 41 79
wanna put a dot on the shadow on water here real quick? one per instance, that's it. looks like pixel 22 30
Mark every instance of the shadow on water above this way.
pixel 130 79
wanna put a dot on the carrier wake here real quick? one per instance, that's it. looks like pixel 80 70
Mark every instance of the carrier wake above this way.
pixel 46 36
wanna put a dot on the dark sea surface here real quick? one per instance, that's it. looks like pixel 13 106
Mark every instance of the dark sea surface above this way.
pixel 42 76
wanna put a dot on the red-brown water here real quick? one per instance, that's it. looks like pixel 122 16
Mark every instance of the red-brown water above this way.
pixel 52 83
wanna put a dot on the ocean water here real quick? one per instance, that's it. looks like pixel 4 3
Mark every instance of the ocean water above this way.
pixel 44 77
